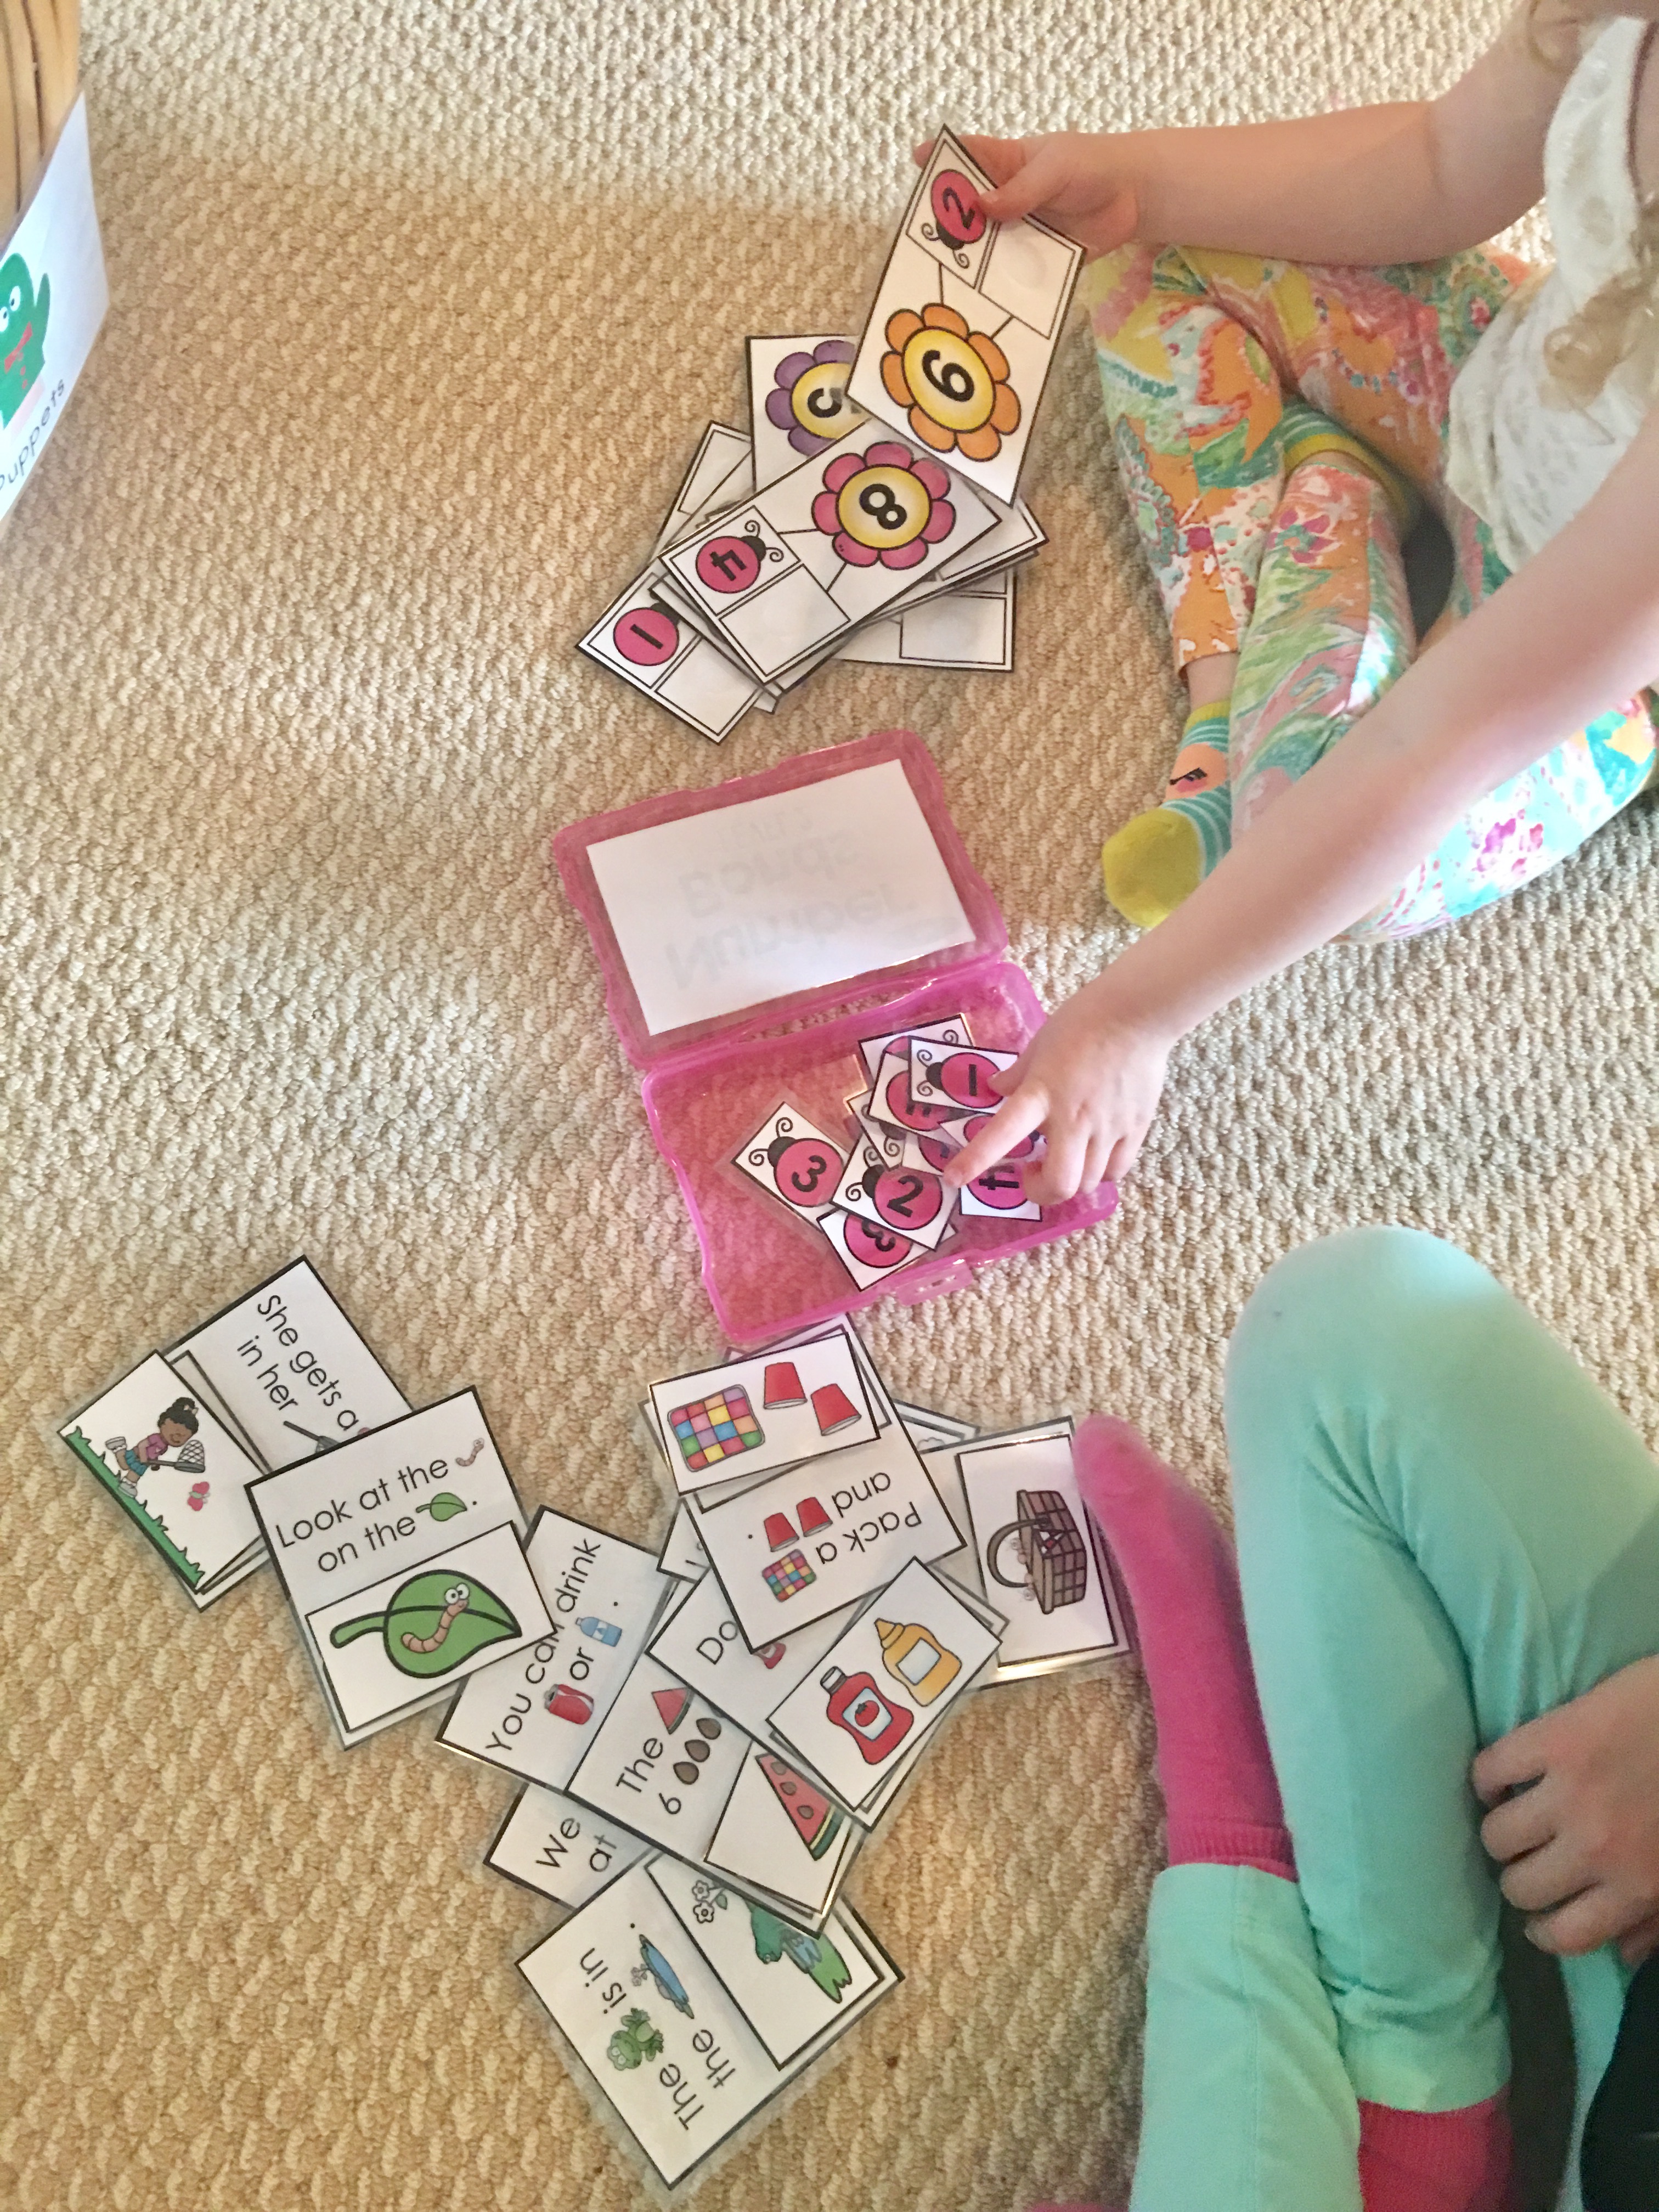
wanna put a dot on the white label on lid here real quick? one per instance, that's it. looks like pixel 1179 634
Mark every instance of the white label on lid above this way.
pixel 52 299
pixel 747 903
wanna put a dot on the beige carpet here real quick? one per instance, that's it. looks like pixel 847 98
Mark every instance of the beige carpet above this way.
pixel 416 312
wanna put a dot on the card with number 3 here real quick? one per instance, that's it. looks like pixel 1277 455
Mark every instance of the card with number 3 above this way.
pixel 967 319
pixel 794 1161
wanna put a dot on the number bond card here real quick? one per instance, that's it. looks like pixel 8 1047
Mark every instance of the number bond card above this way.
pixel 561 1848
pixel 826 547
pixel 970 628
pixel 868 1713
pixel 534 1712
pixel 722 473
pixel 657 651
pixel 401 1556
pixel 798 403
pixel 286 1371
pixel 968 315
pixel 177 1473
pixel 667 1763
pixel 634 1985
pixel 763 1413
pixel 1038 1555
pixel 813 1539
pixel 793 1160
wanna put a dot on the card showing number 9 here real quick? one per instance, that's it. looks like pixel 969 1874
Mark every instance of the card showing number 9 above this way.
pixel 794 1161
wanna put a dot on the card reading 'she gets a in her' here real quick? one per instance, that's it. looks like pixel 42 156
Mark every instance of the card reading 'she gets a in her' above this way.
pixel 403 1558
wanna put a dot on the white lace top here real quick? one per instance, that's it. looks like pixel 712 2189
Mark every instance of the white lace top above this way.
pixel 1526 465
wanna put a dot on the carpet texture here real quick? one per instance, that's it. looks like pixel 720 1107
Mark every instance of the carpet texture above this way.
pixel 416 313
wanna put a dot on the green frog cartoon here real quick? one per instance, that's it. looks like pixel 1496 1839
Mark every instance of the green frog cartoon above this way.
pixel 23 332
pixel 635 2041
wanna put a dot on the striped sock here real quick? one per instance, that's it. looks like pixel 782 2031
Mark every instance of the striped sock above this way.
pixel 1198 785
pixel 1160 857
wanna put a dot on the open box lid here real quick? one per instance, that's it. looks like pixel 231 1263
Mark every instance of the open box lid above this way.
pixel 755 903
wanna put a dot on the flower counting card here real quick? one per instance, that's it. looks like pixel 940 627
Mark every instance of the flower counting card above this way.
pixel 177 1473
pixel 970 629
pixel 967 318
pixel 286 1371
pixel 534 1713
pixel 735 1420
pixel 885 1683
pixel 654 648
pixel 798 403
pixel 401 1556
pixel 722 472
pixel 562 1848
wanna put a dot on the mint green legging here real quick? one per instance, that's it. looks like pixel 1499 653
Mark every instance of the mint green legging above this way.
pixel 1445 1530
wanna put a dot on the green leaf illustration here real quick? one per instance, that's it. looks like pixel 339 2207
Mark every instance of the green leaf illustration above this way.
pixel 433 1623
pixel 444 1507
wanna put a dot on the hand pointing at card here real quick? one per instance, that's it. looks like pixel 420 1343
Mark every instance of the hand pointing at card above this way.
pixel 1081 185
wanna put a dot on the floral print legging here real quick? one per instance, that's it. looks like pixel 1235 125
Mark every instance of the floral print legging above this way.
pixel 1212 364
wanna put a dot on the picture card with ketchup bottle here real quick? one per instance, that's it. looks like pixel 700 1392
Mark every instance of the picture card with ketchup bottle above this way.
pixel 869 1711
pixel 968 316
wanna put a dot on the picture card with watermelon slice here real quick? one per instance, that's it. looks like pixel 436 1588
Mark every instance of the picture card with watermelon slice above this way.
pixel 782 1837
pixel 534 1713
pixel 561 1848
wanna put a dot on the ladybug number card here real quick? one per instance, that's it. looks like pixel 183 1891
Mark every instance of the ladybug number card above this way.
pixel 968 316
pixel 401 1556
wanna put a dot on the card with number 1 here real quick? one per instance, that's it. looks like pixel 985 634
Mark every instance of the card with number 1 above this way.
pixel 968 316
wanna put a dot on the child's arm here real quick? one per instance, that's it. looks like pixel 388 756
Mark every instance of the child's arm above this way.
pixel 1406 182
pixel 1572 635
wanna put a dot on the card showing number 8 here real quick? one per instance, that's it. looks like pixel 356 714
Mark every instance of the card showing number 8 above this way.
pixel 794 1161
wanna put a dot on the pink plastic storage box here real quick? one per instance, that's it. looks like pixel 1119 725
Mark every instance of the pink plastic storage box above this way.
pixel 746 955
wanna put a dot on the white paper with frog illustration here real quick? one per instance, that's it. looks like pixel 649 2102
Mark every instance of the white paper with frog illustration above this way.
pixel 176 1473
pixel 53 295
pixel 535 1713
pixel 656 2032
pixel 409 1544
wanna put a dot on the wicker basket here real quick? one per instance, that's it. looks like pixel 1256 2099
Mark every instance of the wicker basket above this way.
pixel 39 64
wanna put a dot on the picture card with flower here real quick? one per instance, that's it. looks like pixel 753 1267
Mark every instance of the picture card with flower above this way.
pixel 967 318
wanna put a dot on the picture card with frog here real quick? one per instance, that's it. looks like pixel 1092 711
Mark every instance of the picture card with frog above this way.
pixel 286 1371
pixel 886 1685
pixel 561 1848
pixel 796 1989
pixel 177 1473
pixel 386 1520
pixel 534 1712
pixel 1038 1555
pixel 968 316
pixel 652 2029
pixel 811 1539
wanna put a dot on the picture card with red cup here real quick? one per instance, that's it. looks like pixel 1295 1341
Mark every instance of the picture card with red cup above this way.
pixel 958 1078
pixel 793 1160
pixel 967 319
pixel 883 1510
pixel 716 1424
pixel 868 1713
pixel 911 1202
pixel 1038 1555
pixel 286 1371
pixel 533 1713
pixel 401 1556
pixel 654 2035
pixel 561 1848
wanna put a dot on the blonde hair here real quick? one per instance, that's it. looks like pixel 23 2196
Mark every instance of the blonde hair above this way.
pixel 1619 323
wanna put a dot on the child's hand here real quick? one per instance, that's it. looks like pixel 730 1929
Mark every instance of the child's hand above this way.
pixel 1070 178
pixel 1090 1080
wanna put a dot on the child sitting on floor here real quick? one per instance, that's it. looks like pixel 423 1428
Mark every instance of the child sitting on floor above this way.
pixel 1281 399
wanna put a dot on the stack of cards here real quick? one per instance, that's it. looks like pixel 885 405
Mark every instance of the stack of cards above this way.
pixel 871 512
pixel 705 1736
pixel 876 1194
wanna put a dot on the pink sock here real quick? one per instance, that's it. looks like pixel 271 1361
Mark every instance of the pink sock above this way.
pixel 1435 2161
pixel 1221 1799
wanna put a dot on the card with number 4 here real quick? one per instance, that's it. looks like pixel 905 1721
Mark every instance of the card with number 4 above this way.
pixel 910 1202
pixel 794 1161
pixel 825 547
pixel 967 319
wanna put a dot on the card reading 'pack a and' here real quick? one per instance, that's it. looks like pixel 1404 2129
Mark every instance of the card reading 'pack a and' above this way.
pixel 402 1555
pixel 968 316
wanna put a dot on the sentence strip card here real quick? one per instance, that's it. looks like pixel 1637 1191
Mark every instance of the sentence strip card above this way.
pixel 658 2034
pixel 177 1473
pixel 886 1684
pixel 750 1415
pixel 968 316
pixel 1037 1554
pixel 403 1558
pixel 286 1371
pixel 704 1646
pixel 562 1848
pixel 533 1713
pixel 809 1540
pixel 826 547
